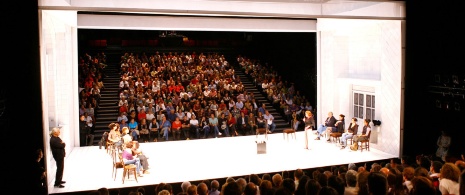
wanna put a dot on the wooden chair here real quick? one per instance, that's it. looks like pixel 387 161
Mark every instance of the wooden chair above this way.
pixel 286 133
pixel 336 137
pixel 117 164
pixel 127 169
pixel 365 144
pixel 264 131
pixel 109 145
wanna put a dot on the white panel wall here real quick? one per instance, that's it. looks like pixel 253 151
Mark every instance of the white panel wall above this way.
pixel 58 37
pixel 366 55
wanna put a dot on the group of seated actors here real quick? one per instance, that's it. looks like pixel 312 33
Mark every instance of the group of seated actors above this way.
pixel 336 128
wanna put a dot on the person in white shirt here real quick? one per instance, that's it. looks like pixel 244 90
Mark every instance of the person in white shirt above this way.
pixel 194 124
pixel 269 121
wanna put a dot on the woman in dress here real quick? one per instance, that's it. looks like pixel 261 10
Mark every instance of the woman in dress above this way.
pixel 309 121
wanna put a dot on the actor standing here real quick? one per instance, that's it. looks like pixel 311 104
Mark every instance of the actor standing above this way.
pixel 58 152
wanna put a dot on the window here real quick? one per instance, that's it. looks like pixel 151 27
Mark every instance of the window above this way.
pixel 364 105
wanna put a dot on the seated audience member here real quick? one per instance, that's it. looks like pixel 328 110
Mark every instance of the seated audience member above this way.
pixel 260 120
pixel 223 124
pixel 165 126
pixel 377 183
pixel 214 188
pixel 202 188
pixel 449 179
pixel 351 183
pixel 144 130
pixel 364 136
pixel 128 158
pixel 154 129
pixel 269 119
pixel 422 186
pixel 329 122
pixel 185 127
pixel 351 131
pixel 243 124
pixel 176 126
pixel 194 126
pixel 213 123
pixel 205 126
pixel 134 129
pixel 232 125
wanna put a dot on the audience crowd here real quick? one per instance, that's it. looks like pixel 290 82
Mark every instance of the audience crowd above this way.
pixel 189 88
pixel 422 175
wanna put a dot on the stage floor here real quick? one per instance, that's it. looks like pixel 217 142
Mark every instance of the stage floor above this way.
pixel 90 168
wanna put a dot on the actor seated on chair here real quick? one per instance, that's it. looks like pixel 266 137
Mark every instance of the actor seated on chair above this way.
pixel 128 158
pixel 329 122
pixel 338 127
pixel 243 124
pixel 136 150
pixel 271 126
pixel 351 131
pixel 364 136
pixel 115 136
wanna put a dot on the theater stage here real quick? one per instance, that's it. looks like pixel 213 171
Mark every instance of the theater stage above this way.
pixel 90 168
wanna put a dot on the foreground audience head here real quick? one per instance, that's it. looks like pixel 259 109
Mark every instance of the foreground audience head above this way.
pixel 377 183
pixel 277 180
pixel 215 185
pixel 289 184
pixel 231 188
pixel 422 186
pixel 202 188
pixel 326 190
pixel 266 188
pixel 192 190
pixel 450 171
pixel 250 189
pixel 242 183
pixel 185 185
pixel 351 178
pixel 312 187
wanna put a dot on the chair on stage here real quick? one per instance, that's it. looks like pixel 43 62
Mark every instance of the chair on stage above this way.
pixel 263 131
pixel 127 169
pixel 117 164
pixel 286 133
pixel 365 144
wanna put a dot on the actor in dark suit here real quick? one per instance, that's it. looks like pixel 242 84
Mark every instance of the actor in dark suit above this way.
pixel 58 152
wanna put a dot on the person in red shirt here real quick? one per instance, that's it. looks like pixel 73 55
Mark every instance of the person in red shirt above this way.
pixel 232 125
pixel 176 128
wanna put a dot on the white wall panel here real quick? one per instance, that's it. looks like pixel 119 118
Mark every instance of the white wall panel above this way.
pixel 362 54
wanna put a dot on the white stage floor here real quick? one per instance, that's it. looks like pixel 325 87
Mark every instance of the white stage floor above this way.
pixel 90 168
